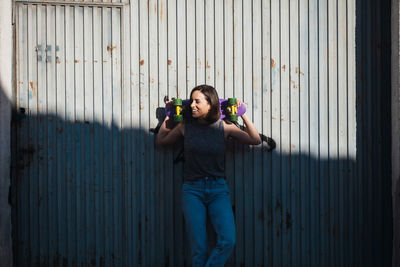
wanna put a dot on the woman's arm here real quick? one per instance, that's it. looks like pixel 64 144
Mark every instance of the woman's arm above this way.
pixel 167 136
pixel 251 136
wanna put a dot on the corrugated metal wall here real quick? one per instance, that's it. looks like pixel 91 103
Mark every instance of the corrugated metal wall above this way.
pixel 374 130
pixel 90 187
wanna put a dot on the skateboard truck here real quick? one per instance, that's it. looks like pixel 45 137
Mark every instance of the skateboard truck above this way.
pixel 232 109
pixel 178 117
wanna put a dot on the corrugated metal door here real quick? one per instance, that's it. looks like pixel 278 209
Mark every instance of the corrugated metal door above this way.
pixel 90 187
pixel 69 98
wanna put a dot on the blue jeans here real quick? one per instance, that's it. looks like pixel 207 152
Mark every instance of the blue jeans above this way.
pixel 212 195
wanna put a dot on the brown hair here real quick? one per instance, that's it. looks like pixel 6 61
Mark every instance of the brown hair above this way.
pixel 212 98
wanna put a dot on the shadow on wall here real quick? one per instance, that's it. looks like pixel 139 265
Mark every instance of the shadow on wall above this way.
pixel 90 193
pixel 5 210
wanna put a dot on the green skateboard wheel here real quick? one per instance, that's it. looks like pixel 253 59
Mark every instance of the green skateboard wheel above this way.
pixel 232 101
pixel 233 117
pixel 178 118
pixel 177 102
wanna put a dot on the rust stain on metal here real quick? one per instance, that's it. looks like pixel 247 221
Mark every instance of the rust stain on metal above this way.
pixel 95 61
pixel 199 62
pixel 293 84
pixel 273 65
pixel 298 71
pixel 141 107
pixel 292 146
pixel 162 10
pixel 142 62
pixel 169 61
pixel 110 48
pixel 32 85
pixel 284 67
pixel 76 61
pixel 207 65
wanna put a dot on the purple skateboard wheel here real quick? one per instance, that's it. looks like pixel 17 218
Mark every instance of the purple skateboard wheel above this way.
pixel 170 109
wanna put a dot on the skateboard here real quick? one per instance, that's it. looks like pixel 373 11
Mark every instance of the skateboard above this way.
pixel 180 109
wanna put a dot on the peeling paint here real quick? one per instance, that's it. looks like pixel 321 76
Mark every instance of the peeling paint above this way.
pixel 169 62
pixel 142 62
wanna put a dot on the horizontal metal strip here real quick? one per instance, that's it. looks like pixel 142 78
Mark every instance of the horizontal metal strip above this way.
pixel 71 3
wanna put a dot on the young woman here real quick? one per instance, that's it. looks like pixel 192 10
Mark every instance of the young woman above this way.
pixel 204 188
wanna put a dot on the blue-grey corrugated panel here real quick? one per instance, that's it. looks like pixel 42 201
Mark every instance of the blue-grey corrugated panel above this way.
pixel 90 186
pixel 373 118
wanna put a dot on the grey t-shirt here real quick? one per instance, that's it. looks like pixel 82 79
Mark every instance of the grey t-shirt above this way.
pixel 204 148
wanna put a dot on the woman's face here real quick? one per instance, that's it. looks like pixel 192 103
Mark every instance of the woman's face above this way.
pixel 199 106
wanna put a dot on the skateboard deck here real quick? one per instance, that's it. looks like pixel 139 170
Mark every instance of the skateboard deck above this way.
pixel 227 110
